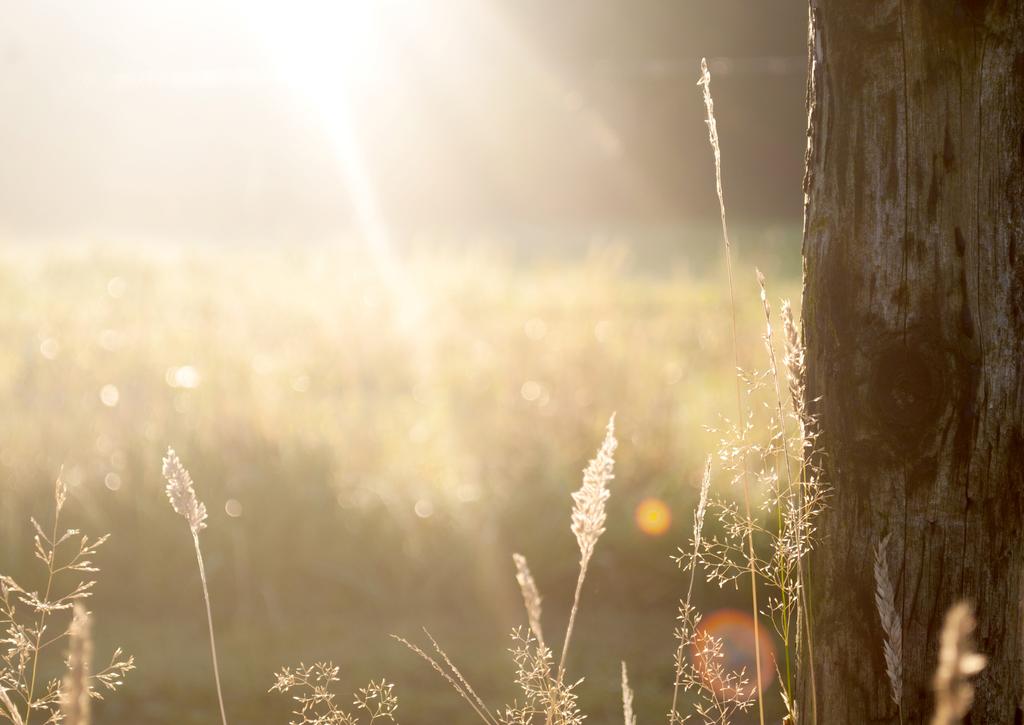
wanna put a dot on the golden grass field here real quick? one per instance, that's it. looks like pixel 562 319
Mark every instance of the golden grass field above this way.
pixel 373 439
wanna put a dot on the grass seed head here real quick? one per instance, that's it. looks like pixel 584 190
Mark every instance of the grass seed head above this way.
pixel 182 493
pixel 958 662
pixel 531 596
pixel 588 514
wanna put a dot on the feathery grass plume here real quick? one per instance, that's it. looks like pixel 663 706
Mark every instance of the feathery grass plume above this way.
pixel 75 702
pixel 958 662
pixel 698 520
pixel 531 596
pixel 588 513
pixel 182 495
pixel 793 359
pixel 588 519
pixel 892 625
pixel 627 699
pixel 709 104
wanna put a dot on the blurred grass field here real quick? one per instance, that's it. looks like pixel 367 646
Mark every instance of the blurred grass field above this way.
pixel 373 438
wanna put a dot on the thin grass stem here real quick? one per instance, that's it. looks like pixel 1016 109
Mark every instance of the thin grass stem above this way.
pixel 705 81
pixel 60 496
pixel 572 621
pixel 698 525
pixel 209 622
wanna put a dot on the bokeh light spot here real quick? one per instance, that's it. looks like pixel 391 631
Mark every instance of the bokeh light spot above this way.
pixel 233 508
pixel 116 287
pixel 531 391
pixel 424 509
pixel 653 516
pixel 109 395
pixel 186 376
pixel 49 348
pixel 112 481
pixel 735 629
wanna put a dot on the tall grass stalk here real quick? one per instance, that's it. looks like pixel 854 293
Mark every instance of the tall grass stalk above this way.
pixel 588 519
pixel 455 678
pixel 698 528
pixel 787 604
pixel 794 486
pixel 793 360
pixel 182 495
pixel 705 83
pixel 60 497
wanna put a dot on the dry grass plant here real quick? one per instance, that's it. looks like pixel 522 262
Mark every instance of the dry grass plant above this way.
pixel 720 693
pixel 182 495
pixel 782 449
pixel 777 438
pixel 705 83
pixel 777 456
pixel 792 501
pixel 546 695
pixel 34 625
pixel 588 520
pixel 315 704
pixel 892 624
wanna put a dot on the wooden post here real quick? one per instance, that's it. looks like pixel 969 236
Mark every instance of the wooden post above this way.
pixel 914 322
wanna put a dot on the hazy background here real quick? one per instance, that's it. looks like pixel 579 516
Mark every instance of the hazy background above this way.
pixel 139 118
pixel 380 272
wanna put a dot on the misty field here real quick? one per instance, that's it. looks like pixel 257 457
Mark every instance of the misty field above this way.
pixel 374 435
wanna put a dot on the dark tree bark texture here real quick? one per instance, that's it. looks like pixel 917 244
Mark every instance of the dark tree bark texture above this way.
pixel 914 323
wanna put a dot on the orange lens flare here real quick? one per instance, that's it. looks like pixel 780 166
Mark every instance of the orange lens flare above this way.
pixel 733 630
pixel 653 516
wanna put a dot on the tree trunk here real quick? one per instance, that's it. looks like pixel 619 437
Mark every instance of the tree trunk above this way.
pixel 914 323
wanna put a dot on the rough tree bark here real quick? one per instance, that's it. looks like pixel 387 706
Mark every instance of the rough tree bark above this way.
pixel 914 322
